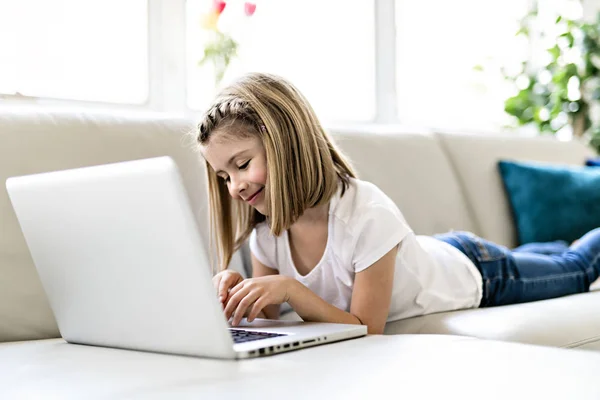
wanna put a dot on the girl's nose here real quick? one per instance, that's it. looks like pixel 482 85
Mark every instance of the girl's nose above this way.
pixel 237 188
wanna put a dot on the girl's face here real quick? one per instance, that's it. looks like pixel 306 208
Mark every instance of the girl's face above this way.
pixel 242 164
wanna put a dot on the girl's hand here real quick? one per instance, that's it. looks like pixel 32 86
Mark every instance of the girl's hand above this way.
pixel 224 281
pixel 254 294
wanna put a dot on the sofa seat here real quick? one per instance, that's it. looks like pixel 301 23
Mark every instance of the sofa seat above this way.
pixel 569 322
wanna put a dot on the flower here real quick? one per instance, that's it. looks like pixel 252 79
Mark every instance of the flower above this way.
pixel 219 6
pixel 211 18
pixel 221 47
pixel 249 8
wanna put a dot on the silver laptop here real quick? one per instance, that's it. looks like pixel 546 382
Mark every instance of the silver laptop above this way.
pixel 121 259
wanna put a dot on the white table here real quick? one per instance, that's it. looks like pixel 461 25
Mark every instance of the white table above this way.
pixel 401 366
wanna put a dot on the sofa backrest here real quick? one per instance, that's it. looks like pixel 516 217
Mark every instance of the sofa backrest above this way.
pixel 413 169
pixel 474 158
pixel 33 141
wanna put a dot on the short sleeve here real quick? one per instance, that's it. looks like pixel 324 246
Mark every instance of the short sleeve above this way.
pixel 262 246
pixel 379 230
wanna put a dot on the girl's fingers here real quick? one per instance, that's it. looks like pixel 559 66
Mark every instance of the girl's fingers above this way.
pixel 236 288
pixel 256 309
pixel 222 293
pixel 233 289
pixel 243 305
pixel 225 285
pixel 233 301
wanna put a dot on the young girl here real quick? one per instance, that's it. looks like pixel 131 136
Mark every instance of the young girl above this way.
pixel 336 248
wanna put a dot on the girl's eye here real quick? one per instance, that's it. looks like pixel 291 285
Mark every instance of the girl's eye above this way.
pixel 244 165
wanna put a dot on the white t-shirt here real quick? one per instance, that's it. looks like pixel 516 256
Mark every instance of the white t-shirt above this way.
pixel 364 224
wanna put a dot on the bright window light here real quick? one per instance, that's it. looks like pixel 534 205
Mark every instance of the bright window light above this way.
pixel 439 43
pixel 87 50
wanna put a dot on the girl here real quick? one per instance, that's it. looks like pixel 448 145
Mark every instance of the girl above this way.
pixel 336 248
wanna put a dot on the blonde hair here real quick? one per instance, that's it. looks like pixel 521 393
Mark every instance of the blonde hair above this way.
pixel 304 165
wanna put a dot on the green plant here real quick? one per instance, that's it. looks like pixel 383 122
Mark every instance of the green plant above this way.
pixel 221 47
pixel 563 92
pixel 219 51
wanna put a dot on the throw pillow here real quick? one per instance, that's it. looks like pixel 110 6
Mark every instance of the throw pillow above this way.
pixel 552 202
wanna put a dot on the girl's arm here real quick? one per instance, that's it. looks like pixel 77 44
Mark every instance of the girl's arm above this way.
pixel 370 305
pixel 371 298
pixel 259 269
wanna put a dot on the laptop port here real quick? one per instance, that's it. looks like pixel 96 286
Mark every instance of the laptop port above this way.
pixel 286 346
pixel 296 344
pixel 309 341
pixel 261 351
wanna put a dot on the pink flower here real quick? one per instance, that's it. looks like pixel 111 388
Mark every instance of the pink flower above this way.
pixel 249 8
pixel 219 6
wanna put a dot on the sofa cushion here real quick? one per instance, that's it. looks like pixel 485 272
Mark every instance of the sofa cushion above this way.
pixel 413 170
pixel 33 140
pixel 570 321
pixel 550 201
pixel 475 159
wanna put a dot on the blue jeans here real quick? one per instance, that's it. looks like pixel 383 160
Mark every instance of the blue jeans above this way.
pixel 535 271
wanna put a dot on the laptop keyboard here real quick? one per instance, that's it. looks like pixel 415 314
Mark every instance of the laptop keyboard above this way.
pixel 241 335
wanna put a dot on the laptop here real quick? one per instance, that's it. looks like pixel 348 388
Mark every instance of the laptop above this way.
pixel 123 264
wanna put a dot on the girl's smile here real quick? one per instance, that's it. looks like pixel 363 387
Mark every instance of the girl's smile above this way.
pixel 252 200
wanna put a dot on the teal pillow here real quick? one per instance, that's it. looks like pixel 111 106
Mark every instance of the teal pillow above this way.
pixel 552 202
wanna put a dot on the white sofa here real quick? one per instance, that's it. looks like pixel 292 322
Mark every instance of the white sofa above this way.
pixel 440 181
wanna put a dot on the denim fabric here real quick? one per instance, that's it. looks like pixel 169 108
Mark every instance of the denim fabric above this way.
pixel 556 247
pixel 533 272
pixel 593 162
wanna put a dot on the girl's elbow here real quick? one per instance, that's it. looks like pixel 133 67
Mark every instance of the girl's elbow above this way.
pixel 372 328
pixel 375 330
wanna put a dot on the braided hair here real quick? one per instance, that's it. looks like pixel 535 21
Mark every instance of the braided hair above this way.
pixel 230 109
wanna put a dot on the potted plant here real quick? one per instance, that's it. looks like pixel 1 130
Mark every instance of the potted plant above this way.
pixel 562 92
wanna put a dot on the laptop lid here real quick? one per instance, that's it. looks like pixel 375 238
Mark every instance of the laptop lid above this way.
pixel 121 259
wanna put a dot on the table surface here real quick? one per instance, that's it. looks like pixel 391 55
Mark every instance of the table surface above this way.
pixel 399 366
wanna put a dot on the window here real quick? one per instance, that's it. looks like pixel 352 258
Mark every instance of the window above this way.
pixel 325 48
pixel 439 43
pixel 75 49
pixel 146 52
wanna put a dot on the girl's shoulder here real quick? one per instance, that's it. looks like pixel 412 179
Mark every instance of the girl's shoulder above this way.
pixel 372 193
pixel 360 198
